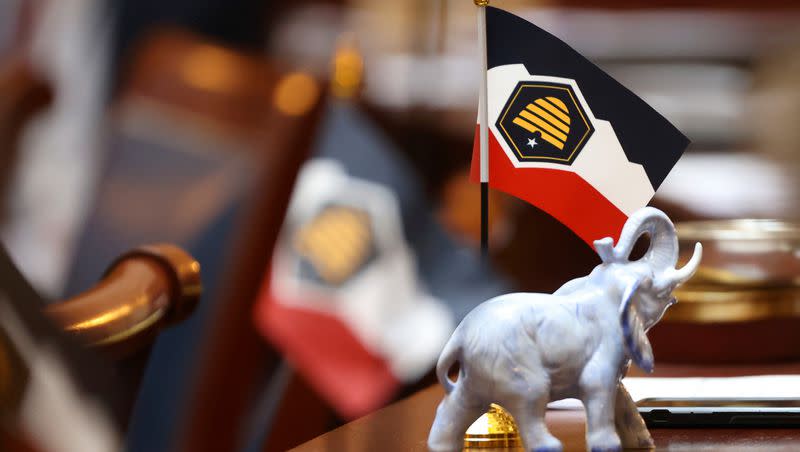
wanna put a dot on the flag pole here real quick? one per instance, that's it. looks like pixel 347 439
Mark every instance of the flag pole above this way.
pixel 483 119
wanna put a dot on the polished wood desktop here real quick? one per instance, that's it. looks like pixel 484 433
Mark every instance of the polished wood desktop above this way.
pixel 404 425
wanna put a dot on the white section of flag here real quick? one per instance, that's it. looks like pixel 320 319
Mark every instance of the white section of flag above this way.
pixel 383 305
pixel 602 161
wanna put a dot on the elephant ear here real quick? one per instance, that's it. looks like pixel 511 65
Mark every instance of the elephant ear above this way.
pixel 634 335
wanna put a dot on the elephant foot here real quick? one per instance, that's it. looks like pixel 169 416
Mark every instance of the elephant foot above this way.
pixel 440 448
pixel 547 449
pixel 604 441
pixel 606 449
pixel 445 440
pixel 453 416
pixel 545 443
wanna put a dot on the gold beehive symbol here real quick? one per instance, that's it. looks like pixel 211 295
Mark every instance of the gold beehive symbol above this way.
pixel 549 117
pixel 336 243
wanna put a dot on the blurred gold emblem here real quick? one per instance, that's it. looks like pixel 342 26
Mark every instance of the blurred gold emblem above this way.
pixel 337 243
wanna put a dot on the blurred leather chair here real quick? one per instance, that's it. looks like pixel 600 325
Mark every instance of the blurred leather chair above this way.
pixel 204 146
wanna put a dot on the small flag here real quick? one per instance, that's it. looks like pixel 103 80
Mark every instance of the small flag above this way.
pixel 365 286
pixel 565 136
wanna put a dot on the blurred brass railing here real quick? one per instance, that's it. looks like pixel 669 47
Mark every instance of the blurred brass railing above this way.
pixel 142 292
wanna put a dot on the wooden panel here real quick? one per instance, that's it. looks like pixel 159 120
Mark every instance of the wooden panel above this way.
pixel 681 4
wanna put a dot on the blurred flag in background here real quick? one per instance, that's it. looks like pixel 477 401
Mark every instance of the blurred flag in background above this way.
pixel 565 136
pixel 365 285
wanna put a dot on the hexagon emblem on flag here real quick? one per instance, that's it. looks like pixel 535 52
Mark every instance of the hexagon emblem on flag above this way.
pixel 544 122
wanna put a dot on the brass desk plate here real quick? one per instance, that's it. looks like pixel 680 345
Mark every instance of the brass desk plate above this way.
pixel 496 429
pixel 750 272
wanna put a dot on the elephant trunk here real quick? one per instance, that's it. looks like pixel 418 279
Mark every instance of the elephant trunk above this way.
pixel 662 254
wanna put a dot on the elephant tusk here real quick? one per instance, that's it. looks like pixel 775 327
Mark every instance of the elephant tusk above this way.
pixel 674 277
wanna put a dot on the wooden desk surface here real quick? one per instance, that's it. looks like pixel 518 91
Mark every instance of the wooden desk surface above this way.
pixel 403 426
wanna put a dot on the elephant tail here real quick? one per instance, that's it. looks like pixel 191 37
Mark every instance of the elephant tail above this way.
pixel 450 354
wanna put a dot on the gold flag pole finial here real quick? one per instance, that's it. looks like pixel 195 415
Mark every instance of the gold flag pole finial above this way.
pixel 481 2
pixel 496 429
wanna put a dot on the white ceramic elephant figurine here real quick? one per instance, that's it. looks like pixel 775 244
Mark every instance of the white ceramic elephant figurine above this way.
pixel 523 350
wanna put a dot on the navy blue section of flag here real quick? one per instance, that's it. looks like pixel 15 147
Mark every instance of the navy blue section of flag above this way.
pixel 646 137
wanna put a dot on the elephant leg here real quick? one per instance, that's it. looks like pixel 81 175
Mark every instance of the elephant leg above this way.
pixel 529 416
pixel 601 434
pixel 630 425
pixel 455 414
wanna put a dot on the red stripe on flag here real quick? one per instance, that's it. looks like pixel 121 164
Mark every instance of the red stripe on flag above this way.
pixel 562 194
pixel 331 358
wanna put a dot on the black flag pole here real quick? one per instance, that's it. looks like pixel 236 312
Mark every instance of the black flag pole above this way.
pixel 484 220
pixel 483 119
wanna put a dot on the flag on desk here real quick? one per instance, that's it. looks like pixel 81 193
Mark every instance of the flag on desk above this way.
pixel 565 136
pixel 365 285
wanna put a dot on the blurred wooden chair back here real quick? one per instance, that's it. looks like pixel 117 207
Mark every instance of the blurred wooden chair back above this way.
pixel 203 151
